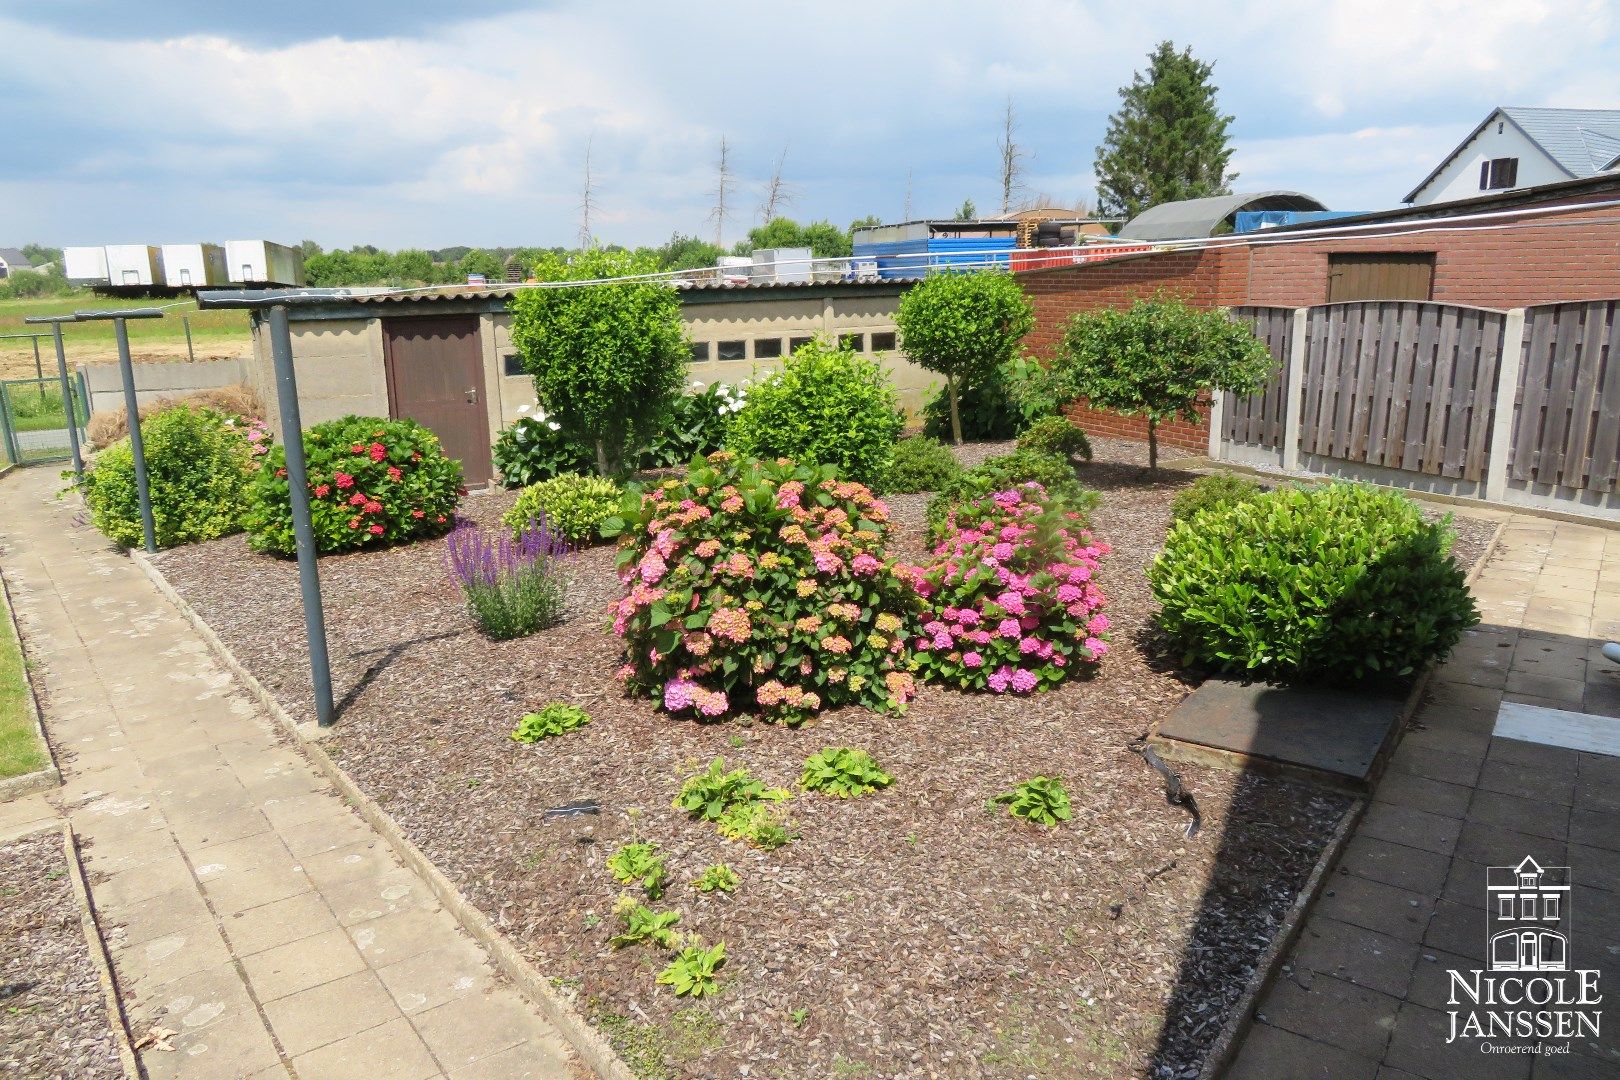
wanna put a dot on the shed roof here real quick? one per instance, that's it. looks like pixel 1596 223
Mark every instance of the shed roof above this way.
pixel 1188 218
pixel 15 259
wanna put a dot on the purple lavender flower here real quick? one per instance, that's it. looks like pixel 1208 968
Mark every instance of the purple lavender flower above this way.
pixel 513 585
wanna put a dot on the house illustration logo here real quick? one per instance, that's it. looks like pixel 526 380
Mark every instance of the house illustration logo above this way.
pixel 1527 908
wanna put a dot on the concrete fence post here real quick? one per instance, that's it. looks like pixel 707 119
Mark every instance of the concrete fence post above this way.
pixel 1217 421
pixel 1294 407
pixel 1507 395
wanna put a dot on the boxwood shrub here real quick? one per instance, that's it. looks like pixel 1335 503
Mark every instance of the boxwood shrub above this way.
pixel 1056 435
pixel 199 465
pixel 1339 583
pixel 373 483
pixel 570 506
pixel 921 464
pixel 1215 492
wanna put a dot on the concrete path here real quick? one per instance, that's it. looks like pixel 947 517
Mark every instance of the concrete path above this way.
pixel 248 910
pixel 1366 994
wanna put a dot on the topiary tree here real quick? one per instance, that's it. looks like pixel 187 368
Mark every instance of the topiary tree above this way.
pixel 608 360
pixel 963 326
pixel 1157 359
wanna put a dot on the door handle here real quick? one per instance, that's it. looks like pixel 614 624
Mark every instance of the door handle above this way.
pixel 472 395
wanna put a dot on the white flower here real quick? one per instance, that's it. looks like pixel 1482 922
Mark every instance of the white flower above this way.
pixel 696 385
pixel 554 426
pixel 523 408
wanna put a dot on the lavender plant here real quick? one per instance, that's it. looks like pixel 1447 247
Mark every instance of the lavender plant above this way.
pixel 513 586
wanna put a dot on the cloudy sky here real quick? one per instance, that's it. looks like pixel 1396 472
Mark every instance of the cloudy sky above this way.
pixel 416 123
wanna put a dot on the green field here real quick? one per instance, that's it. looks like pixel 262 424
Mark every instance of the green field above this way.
pixel 212 332
pixel 20 751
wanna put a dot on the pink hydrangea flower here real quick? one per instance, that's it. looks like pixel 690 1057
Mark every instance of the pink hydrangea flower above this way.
pixel 999 679
pixel 1024 681
pixel 972 659
pixel 1009 628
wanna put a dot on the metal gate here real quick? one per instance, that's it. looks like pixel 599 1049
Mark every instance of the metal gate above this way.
pixel 34 419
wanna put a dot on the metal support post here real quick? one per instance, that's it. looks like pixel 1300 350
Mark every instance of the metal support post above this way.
pixel 132 410
pixel 67 404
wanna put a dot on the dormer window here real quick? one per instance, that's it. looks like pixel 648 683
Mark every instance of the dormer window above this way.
pixel 1498 173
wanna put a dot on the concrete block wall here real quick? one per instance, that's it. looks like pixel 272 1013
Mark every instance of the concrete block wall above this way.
pixel 165 379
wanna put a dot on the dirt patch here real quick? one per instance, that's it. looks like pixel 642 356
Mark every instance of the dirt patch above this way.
pixel 53 1017
pixel 913 932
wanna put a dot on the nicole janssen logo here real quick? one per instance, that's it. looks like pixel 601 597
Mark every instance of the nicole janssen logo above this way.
pixel 1529 990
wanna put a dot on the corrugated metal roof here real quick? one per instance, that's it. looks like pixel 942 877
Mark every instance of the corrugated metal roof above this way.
pixel 1189 218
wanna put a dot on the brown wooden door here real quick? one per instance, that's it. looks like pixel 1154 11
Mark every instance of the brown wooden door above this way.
pixel 436 377
pixel 1380 276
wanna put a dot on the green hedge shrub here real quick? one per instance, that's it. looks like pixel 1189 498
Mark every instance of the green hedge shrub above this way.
pixel 989 411
pixel 1338 583
pixel 1003 473
pixel 1056 435
pixel 570 506
pixel 373 483
pixel 921 464
pixel 1216 492
pixel 199 465
pixel 827 405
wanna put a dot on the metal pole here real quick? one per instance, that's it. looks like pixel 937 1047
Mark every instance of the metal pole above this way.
pixel 133 412
pixel 186 320
pixel 8 432
pixel 67 404
pixel 39 370
pixel 309 577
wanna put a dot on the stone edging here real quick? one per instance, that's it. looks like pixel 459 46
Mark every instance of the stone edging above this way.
pixel 595 1051
pixel 98 954
pixel 1223 1051
pixel 50 776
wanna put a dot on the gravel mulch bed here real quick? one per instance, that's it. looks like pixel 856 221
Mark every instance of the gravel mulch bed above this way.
pixel 53 1017
pixel 912 932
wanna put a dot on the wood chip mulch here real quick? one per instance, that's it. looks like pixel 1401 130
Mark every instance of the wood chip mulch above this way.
pixel 53 1016
pixel 913 932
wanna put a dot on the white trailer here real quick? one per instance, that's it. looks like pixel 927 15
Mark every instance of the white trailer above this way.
pixel 134 265
pixel 194 266
pixel 781 266
pixel 260 262
pixel 85 265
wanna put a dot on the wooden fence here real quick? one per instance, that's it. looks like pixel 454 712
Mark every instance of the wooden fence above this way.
pixel 1521 405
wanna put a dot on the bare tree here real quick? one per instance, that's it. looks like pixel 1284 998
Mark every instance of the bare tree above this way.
pixel 778 193
pixel 587 201
pixel 722 191
pixel 906 216
pixel 1012 159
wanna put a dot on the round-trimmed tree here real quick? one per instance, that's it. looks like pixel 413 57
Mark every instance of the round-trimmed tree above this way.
pixel 608 360
pixel 964 326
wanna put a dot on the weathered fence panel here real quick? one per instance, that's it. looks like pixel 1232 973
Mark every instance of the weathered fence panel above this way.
pixel 1566 430
pixel 1258 420
pixel 1402 385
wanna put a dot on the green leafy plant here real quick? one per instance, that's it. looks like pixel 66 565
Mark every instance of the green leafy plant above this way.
pixel 1338 583
pixel 920 464
pixel 536 448
pixel 709 794
pixel 1056 435
pixel 692 972
pixel 1003 473
pixel 608 360
pixel 1158 359
pixel 843 772
pixel 570 505
pixel 964 326
pixel 558 718
pixel 717 877
pixel 986 408
pixel 641 923
pixel 757 824
pixel 762 586
pixel 200 467
pixel 696 426
pixel 826 405
pixel 1215 492
pixel 373 483
pixel 1040 799
pixel 640 862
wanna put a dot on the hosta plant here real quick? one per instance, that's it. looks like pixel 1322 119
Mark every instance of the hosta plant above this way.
pixel 757 824
pixel 762 587
pixel 1040 799
pixel 1013 602
pixel 641 923
pixel 711 793
pixel 692 972
pixel 640 862
pixel 1338 583
pixel 843 772
pixel 717 877
pixel 558 718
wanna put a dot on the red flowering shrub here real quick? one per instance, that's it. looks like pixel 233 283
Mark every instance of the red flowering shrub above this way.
pixel 763 587
pixel 372 482
pixel 1012 604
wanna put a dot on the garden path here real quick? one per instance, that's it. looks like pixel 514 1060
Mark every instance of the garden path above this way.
pixel 257 925
pixel 1366 993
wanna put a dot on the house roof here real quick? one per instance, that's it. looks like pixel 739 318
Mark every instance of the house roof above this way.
pixel 1581 142
pixel 15 259
pixel 1189 218
pixel 1599 186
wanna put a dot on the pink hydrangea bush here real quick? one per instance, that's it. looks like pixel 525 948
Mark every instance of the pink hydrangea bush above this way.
pixel 763 587
pixel 1012 601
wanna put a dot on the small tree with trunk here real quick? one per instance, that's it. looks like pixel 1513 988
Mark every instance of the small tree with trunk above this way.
pixel 964 326
pixel 608 360
pixel 1157 359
